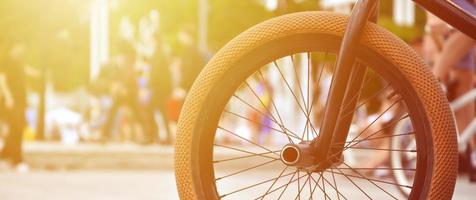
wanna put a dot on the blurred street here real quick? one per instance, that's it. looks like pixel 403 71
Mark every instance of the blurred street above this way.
pixel 78 185
pixel 113 171
pixel 117 185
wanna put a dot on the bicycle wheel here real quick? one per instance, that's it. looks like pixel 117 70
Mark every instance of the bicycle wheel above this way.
pixel 236 118
pixel 403 159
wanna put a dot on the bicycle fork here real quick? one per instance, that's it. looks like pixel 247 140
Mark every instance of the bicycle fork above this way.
pixel 345 87
pixel 327 149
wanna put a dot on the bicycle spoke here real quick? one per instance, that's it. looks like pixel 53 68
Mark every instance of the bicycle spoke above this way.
pixel 297 79
pixel 376 119
pixel 305 131
pixel 258 111
pixel 248 156
pixel 285 186
pixel 370 181
pixel 266 126
pixel 317 184
pixel 352 146
pixel 261 101
pixel 314 97
pixel 254 185
pixel 236 135
pixel 328 93
pixel 300 189
pixel 335 184
pixel 383 149
pixel 274 182
pixel 357 94
pixel 276 109
pixel 309 64
pixel 347 176
pixel 324 187
pixel 298 185
pixel 335 188
pixel 294 95
pixel 245 170
pixel 375 133
pixel 381 137
pixel 318 82
pixel 310 189
pixel 374 169
pixel 249 152
pixel 301 93
pixel 365 101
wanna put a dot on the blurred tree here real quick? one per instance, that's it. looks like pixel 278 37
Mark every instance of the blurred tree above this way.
pixel 228 18
pixel 57 31
pixel 289 6
pixel 43 26
pixel 174 15
pixel 39 24
pixel 408 34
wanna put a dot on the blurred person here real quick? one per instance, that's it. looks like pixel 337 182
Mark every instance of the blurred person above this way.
pixel 174 104
pixel 101 99
pixel 124 90
pixel 192 59
pixel 13 89
pixel 161 85
pixel 146 105
pixel 454 67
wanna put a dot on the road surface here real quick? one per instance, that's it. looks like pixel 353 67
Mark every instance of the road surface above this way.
pixel 114 185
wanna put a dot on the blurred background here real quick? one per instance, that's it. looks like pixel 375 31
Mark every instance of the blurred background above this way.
pixel 101 83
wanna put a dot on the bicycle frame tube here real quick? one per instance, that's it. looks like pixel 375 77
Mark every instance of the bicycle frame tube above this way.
pixel 451 14
pixel 348 79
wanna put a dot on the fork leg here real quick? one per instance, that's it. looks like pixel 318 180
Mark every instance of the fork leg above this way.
pixel 346 78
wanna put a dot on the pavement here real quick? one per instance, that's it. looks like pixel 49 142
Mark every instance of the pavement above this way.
pixel 90 185
pixel 121 171
pixel 119 185
pixel 53 156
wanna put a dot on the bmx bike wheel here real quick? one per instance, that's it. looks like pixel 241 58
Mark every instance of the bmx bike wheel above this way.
pixel 243 76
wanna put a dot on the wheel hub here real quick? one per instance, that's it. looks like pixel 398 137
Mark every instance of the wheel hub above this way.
pixel 302 156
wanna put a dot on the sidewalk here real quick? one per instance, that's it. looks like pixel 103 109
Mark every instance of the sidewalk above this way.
pixel 120 156
pixel 56 156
